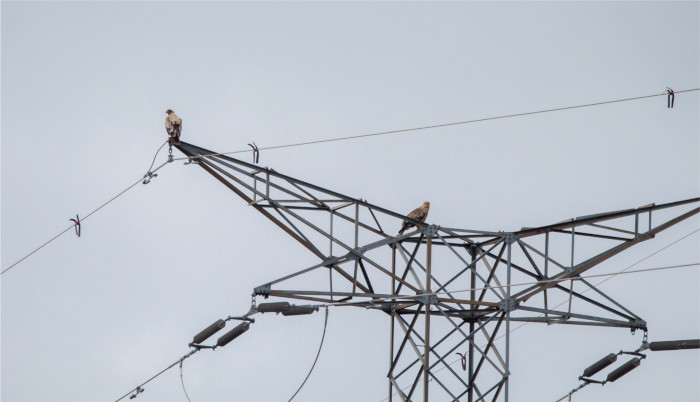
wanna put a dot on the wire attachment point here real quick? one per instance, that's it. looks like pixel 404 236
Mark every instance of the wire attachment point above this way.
pixel 256 152
pixel 136 393
pixel 76 224
pixel 148 176
pixel 463 360
pixel 671 97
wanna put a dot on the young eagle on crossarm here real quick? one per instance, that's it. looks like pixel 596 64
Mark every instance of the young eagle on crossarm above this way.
pixel 418 214
pixel 173 125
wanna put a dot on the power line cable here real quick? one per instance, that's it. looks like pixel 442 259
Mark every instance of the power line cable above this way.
pixel 139 387
pixel 369 135
pixel 95 210
pixel 448 124
pixel 182 381
pixel 325 324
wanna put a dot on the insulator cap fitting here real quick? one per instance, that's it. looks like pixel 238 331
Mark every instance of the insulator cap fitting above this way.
pixel 599 365
pixel 208 331
pixel 624 369
pixel 233 334
pixel 277 307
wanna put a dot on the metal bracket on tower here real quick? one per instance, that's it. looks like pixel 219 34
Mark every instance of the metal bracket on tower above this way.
pixel 430 230
pixel 427 299
pixel 357 253
pixel 510 238
pixel 263 290
pixel 507 305
pixel 641 324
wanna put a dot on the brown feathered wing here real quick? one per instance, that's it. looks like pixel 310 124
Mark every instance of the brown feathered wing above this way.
pixel 419 214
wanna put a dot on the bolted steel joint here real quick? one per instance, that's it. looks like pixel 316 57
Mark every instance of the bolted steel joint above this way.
pixel 356 253
pixel 640 324
pixel 427 299
pixel 430 230
pixel 263 290
pixel 510 238
pixel 507 305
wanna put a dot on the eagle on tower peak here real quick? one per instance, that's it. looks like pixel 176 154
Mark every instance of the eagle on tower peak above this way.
pixel 173 125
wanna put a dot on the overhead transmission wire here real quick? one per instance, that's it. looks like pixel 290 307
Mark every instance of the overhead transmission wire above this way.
pixel 325 324
pixel 158 375
pixel 506 116
pixel 609 276
pixel 93 211
pixel 182 381
pixel 368 135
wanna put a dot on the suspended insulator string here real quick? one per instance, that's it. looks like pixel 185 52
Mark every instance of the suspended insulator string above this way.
pixel 325 324
pixel 507 116
pixel 86 216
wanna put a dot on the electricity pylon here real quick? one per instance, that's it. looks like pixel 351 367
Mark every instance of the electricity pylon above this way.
pixel 446 290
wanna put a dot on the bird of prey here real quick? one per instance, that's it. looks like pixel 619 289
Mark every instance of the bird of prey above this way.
pixel 418 214
pixel 173 125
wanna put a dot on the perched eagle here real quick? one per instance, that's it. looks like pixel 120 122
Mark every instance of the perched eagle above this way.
pixel 173 125
pixel 418 214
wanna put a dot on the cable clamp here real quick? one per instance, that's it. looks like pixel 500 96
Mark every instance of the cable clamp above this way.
pixel 148 176
pixel 76 224
pixel 671 97
pixel 136 393
pixel 463 360
pixel 256 152
pixel 192 161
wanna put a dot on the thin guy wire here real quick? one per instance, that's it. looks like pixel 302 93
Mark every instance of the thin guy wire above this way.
pixel 325 324
pixel 610 276
pixel 446 124
pixel 87 216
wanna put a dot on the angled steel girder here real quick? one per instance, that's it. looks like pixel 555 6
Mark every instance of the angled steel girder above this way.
pixel 446 290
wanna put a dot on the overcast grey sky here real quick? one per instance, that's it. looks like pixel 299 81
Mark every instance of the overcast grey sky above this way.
pixel 84 89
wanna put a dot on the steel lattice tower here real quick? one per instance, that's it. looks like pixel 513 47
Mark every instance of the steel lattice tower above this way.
pixel 446 290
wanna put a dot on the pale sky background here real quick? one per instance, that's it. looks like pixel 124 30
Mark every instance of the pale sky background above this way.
pixel 84 90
